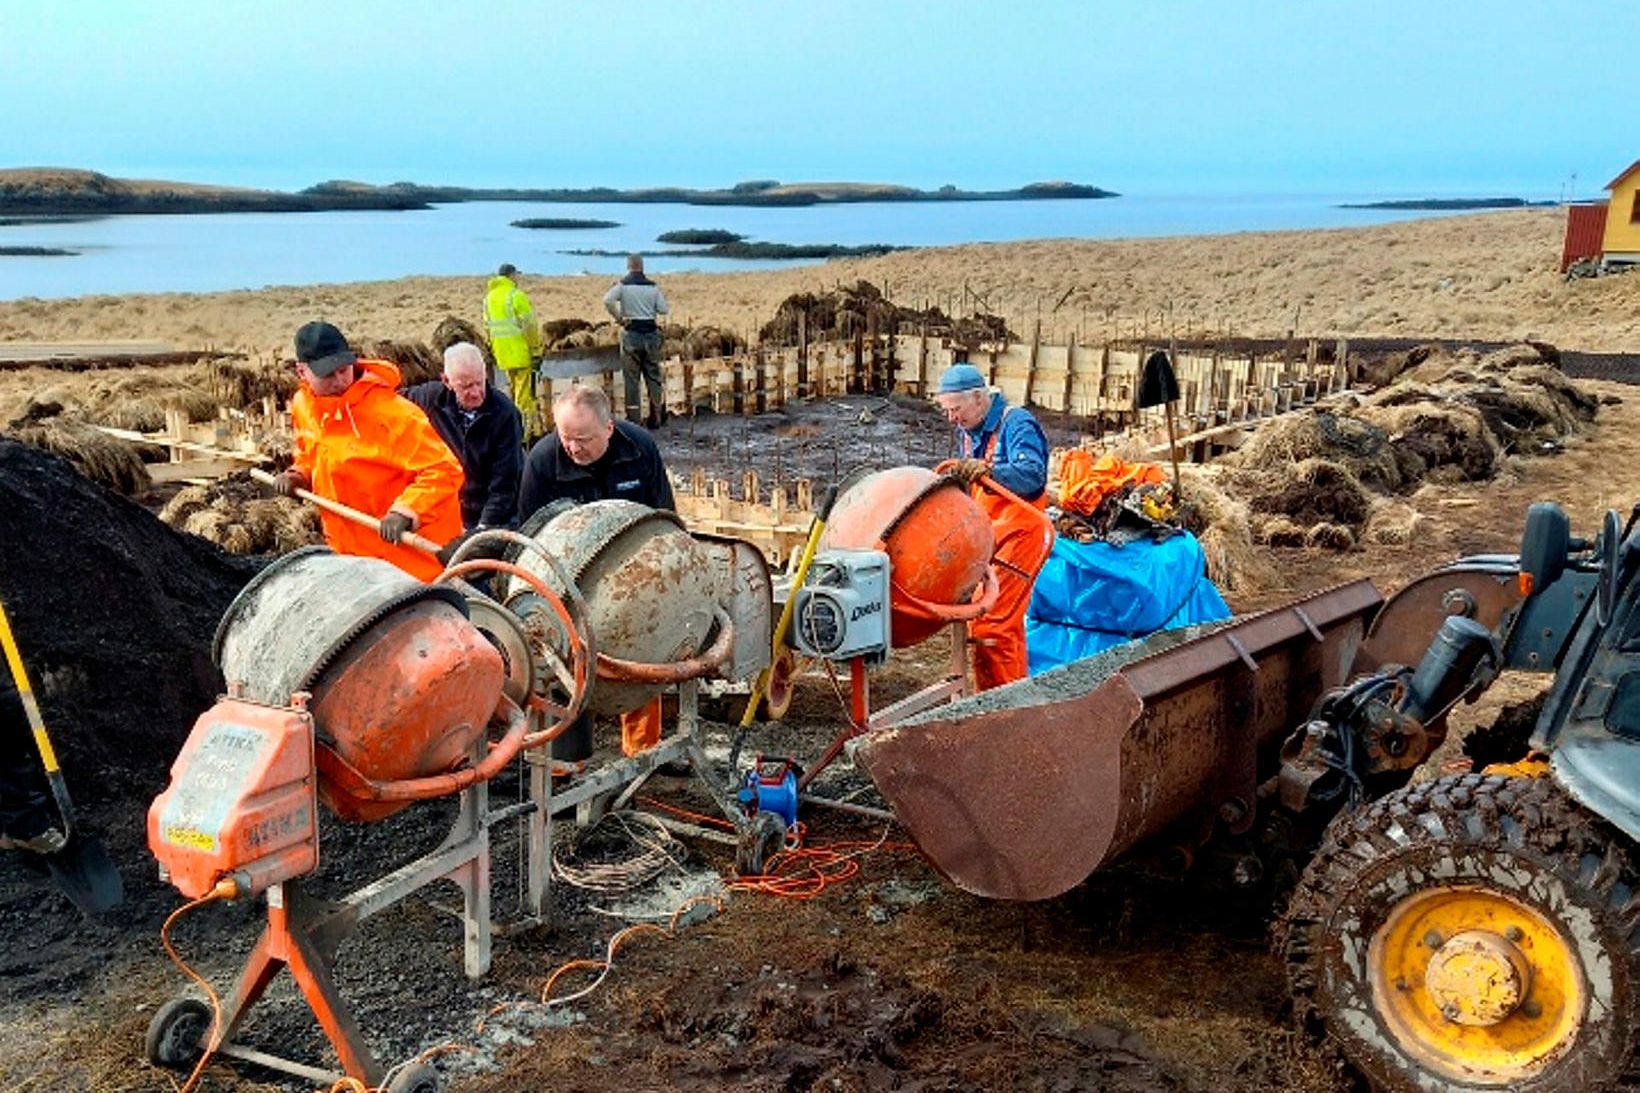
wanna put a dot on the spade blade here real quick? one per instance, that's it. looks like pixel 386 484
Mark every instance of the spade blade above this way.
pixel 1157 384
pixel 87 875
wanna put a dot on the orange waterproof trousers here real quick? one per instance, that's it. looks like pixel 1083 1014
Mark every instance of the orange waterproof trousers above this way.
pixel 999 637
pixel 1024 538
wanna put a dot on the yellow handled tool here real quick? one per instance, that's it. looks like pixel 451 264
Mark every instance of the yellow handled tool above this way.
pixel 80 865
pixel 817 527
pixel 48 754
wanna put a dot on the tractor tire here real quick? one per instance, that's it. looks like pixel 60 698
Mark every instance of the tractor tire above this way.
pixel 1471 933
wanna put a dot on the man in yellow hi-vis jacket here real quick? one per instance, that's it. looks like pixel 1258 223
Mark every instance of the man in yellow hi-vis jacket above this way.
pixel 515 339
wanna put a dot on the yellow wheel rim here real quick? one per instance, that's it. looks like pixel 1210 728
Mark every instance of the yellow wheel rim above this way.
pixel 1475 985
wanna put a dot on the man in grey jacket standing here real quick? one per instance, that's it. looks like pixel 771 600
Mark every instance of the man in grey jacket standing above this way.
pixel 637 304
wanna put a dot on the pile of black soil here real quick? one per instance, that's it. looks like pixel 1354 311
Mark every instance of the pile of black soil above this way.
pixel 114 614
pixel 1506 739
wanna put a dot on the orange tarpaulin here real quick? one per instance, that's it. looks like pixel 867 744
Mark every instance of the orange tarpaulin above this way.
pixel 1084 480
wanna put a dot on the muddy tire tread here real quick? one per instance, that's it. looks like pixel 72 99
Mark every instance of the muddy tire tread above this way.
pixel 1531 818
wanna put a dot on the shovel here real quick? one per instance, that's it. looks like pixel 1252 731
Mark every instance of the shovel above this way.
pixel 817 528
pixel 1158 386
pixel 81 867
pixel 346 512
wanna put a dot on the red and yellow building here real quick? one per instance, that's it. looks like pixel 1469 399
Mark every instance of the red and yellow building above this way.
pixel 1607 232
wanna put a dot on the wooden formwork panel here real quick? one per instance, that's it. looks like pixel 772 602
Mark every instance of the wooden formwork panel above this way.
pixel 1084 380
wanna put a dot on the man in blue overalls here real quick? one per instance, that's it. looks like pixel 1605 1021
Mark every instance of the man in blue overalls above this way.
pixel 1001 445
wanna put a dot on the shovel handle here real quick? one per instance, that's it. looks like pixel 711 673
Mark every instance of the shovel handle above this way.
pixel 817 528
pixel 346 512
pixel 36 723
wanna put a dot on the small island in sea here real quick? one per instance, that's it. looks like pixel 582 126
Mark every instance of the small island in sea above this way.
pixel 699 237
pixel 1448 204
pixel 562 223
pixel 55 191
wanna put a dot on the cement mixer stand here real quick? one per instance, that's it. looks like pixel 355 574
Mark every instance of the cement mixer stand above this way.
pixel 303 933
pixel 862 720
pixel 608 788
pixel 240 817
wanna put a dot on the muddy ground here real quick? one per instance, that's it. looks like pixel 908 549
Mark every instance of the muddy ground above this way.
pixel 891 979
pixel 825 440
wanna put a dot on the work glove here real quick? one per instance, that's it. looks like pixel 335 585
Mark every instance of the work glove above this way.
pixel 969 471
pixel 394 525
pixel 289 481
pixel 448 550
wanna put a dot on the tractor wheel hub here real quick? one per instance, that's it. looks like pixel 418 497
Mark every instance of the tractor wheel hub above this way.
pixel 1477 978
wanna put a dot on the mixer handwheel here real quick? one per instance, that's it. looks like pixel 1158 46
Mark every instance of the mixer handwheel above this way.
pixel 176 1034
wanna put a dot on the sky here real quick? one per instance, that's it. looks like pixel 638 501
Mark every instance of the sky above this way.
pixel 1162 96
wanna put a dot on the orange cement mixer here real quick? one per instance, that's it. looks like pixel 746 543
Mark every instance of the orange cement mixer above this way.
pixel 938 541
pixel 403 685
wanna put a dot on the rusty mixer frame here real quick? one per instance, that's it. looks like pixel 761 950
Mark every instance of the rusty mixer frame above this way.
pixel 303 933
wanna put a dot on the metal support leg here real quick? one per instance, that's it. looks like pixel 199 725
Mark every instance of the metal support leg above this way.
pixel 473 878
pixel 539 836
pixel 959 655
pixel 300 936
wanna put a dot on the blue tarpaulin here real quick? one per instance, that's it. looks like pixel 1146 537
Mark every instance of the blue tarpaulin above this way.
pixel 1091 596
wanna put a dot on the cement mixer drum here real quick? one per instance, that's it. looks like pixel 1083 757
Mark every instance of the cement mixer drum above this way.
pixel 403 684
pixel 937 538
pixel 650 589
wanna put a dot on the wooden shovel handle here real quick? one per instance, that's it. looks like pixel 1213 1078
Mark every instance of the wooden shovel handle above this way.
pixel 410 538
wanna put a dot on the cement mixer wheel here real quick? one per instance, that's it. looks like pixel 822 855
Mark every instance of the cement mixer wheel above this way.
pixel 177 1032
pixel 1471 933
pixel 416 1078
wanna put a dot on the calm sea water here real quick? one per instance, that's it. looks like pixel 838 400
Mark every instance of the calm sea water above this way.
pixel 204 253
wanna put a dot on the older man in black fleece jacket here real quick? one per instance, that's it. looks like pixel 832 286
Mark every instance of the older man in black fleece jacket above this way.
pixel 589 456
pixel 483 428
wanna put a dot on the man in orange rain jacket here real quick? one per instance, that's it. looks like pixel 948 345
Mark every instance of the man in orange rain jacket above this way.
pixel 1003 446
pixel 359 442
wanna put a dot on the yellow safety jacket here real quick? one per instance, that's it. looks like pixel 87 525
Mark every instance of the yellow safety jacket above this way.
pixel 509 321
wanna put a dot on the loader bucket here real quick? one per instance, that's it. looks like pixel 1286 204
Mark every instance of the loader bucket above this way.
pixel 1023 791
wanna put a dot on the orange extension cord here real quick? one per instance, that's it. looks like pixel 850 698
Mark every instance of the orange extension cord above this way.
pixel 797 872
pixel 224 890
pixel 607 964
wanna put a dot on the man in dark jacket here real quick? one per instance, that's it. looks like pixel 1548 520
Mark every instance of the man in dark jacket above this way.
pixel 589 456
pixel 484 430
